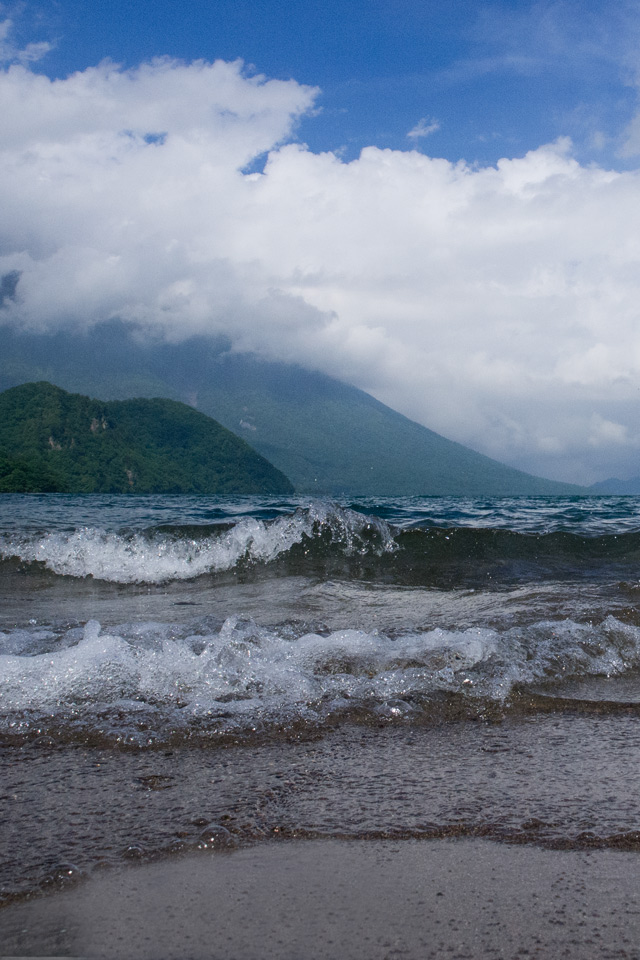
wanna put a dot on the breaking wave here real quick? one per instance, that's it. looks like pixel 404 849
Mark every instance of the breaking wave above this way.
pixel 179 553
pixel 325 540
pixel 145 684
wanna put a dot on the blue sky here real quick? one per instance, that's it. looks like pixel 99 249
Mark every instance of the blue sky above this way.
pixel 435 202
pixel 493 79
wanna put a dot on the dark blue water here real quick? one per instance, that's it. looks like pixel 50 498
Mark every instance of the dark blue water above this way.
pixel 579 515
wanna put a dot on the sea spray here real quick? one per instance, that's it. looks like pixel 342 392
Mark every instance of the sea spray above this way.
pixel 159 556
pixel 243 676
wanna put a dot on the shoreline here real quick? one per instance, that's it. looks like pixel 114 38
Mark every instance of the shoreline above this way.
pixel 343 900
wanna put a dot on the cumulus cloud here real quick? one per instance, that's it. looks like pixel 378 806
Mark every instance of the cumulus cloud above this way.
pixel 497 305
pixel 124 192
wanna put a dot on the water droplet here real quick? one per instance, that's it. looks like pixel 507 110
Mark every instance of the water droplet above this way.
pixel 64 874
pixel 215 835
pixel 134 851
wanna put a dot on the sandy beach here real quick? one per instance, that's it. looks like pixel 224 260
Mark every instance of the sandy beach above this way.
pixel 344 899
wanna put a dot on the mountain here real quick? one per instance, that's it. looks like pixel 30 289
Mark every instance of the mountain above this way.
pixel 615 487
pixel 51 440
pixel 327 437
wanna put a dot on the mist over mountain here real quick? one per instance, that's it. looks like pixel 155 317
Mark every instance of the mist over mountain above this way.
pixel 327 437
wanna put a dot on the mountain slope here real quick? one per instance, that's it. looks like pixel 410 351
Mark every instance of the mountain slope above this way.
pixel 327 437
pixel 618 488
pixel 53 440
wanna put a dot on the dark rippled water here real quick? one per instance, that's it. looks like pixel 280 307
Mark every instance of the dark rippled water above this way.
pixel 181 671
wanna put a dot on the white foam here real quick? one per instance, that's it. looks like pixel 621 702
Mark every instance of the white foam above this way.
pixel 136 558
pixel 246 674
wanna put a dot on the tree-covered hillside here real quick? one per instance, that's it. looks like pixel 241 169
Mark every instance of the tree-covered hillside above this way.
pixel 326 436
pixel 51 440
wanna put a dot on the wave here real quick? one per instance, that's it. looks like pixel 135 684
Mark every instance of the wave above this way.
pixel 145 684
pixel 325 540
pixel 179 553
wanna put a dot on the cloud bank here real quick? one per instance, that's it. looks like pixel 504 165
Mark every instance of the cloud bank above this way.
pixel 500 306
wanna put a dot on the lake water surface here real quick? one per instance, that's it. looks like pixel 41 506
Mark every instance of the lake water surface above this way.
pixel 184 672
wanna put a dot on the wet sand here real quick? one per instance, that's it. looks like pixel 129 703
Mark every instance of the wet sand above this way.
pixel 344 900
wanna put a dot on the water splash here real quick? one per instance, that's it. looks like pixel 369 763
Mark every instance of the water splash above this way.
pixel 158 557
pixel 151 682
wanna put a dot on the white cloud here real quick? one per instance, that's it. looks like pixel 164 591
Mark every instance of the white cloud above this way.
pixel 10 53
pixel 423 128
pixel 606 432
pixel 500 305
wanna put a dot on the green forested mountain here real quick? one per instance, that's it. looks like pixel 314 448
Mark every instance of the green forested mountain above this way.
pixel 51 440
pixel 326 436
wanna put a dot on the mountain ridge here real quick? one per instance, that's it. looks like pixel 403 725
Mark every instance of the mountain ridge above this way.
pixel 329 438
